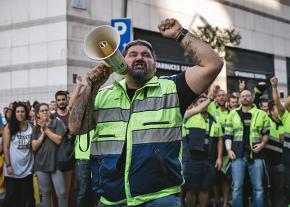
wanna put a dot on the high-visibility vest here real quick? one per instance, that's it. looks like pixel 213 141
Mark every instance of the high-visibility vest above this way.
pixel 220 116
pixel 150 126
pixel 285 118
pixel 234 129
pixel 274 144
pixel 199 135
pixel 83 145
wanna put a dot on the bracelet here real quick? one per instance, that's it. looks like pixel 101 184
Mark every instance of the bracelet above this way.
pixel 181 35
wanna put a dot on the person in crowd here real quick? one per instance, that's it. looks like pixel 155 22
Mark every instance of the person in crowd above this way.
pixel 202 152
pixel 63 106
pixel 7 113
pixel 233 102
pixel 259 91
pixel 83 195
pixel 274 150
pixel 47 134
pixel 285 119
pixel 19 158
pixel 246 134
pixel 218 109
pixel 138 121
pixel 264 105
pixel 62 109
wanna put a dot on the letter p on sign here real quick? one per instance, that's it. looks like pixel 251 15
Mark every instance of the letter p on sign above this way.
pixel 124 27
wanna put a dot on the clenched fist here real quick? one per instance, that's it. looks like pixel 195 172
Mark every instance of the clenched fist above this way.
pixel 98 75
pixel 169 28
pixel 274 81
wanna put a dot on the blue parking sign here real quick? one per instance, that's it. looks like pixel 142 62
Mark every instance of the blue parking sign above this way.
pixel 124 27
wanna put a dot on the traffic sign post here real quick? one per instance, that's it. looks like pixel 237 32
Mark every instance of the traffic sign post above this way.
pixel 124 27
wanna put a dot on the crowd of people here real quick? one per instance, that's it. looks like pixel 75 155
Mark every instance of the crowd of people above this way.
pixel 235 145
pixel 30 138
pixel 150 142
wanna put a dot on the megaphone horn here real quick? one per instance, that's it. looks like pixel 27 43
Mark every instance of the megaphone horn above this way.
pixel 102 44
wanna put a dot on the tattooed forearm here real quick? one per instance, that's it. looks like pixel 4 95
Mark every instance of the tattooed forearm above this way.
pixel 189 44
pixel 83 107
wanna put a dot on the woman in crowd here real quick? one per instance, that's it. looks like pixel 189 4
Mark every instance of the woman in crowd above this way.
pixel 47 134
pixel 19 159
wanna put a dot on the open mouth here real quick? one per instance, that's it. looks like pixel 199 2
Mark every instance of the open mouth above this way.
pixel 139 65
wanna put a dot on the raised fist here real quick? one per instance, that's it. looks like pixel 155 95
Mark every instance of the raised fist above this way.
pixel 274 81
pixel 169 28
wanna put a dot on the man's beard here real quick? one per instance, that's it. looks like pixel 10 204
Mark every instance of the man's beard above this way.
pixel 222 103
pixel 246 103
pixel 62 107
pixel 139 74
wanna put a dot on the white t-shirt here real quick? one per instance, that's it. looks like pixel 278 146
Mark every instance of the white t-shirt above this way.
pixel 21 154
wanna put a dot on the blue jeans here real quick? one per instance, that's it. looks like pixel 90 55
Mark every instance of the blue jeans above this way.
pixel 83 192
pixel 167 201
pixel 256 170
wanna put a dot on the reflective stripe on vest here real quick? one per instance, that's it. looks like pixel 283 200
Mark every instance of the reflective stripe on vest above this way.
pixel 256 139
pixel 237 130
pixel 166 135
pixel 156 103
pixel 274 144
pixel 107 147
pixel 286 144
pixel 273 148
pixel 112 115
pixel 238 138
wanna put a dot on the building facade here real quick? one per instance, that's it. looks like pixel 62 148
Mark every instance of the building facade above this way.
pixel 41 41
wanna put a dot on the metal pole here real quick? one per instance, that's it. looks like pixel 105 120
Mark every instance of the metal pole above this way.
pixel 125 5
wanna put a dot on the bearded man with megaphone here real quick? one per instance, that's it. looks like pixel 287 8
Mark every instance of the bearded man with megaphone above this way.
pixel 136 149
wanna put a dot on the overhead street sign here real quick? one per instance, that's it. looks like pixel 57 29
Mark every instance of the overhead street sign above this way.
pixel 124 27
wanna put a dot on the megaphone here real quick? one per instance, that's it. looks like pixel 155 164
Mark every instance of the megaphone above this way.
pixel 102 44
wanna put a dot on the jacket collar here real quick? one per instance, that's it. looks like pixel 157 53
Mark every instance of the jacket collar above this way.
pixel 121 86
pixel 252 108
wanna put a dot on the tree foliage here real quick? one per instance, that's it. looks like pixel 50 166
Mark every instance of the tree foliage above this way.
pixel 218 38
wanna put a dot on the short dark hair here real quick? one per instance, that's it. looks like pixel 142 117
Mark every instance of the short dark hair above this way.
pixel 61 93
pixel 34 104
pixel 233 97
pixel 263 101
pixel 139 42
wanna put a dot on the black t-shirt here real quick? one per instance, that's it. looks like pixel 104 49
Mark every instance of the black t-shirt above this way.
pixel 246 120
pixel 185 95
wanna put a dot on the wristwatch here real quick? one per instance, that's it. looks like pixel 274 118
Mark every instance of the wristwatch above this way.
pixel 181 35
